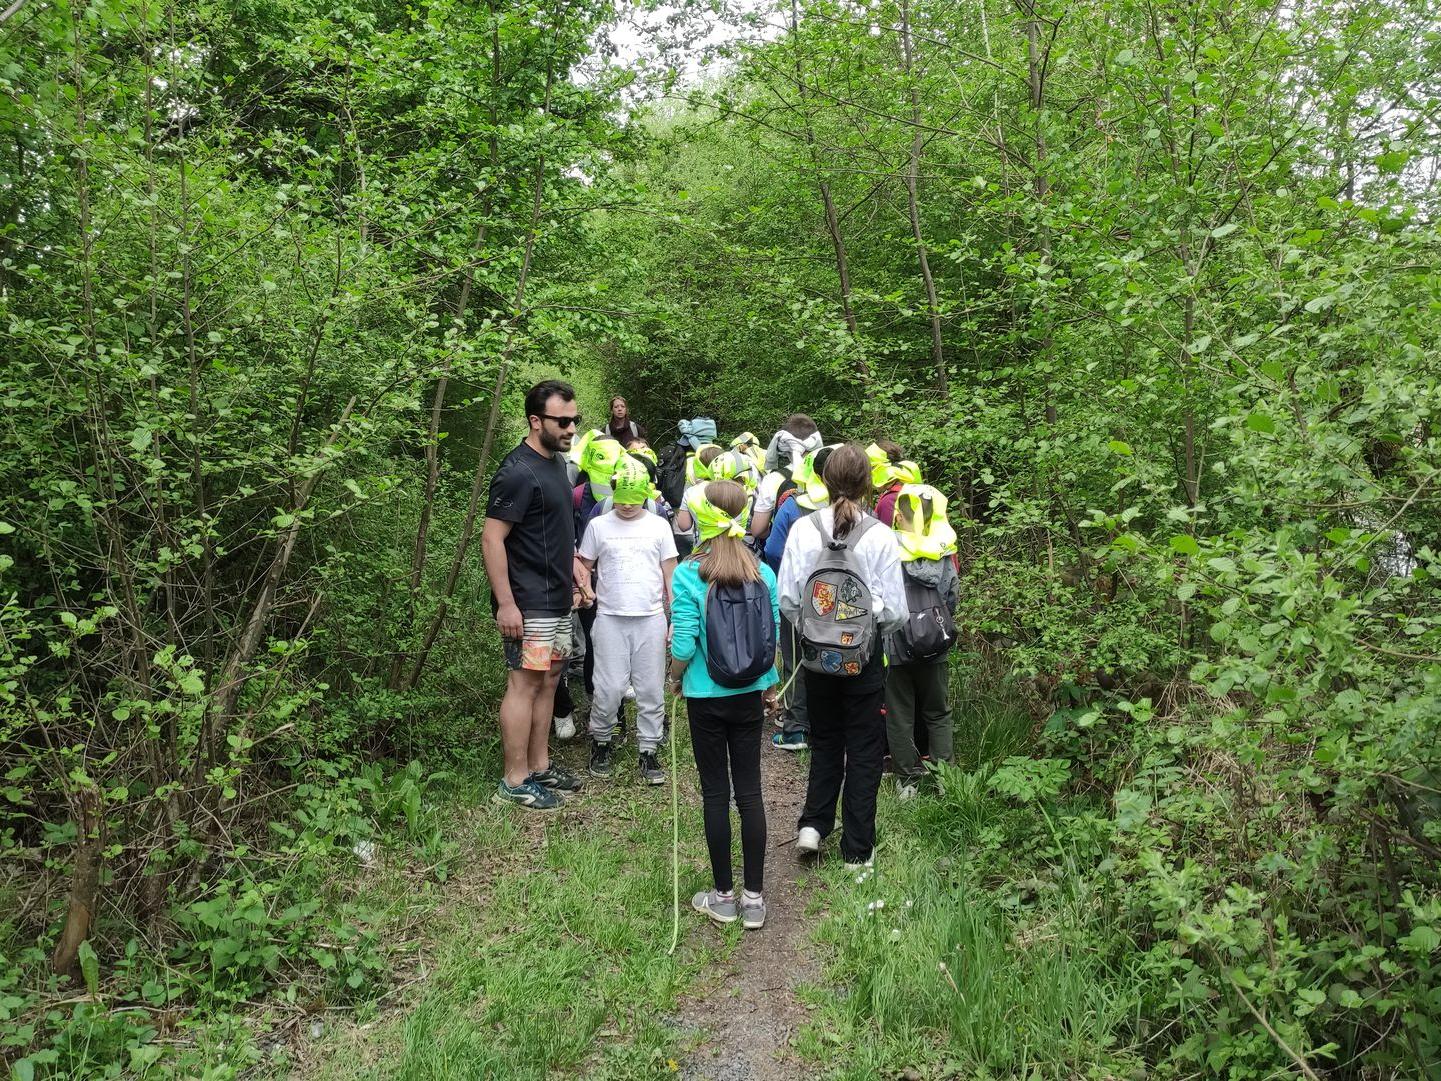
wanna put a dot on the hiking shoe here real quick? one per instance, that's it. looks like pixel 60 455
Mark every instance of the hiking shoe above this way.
pixel 650 769
pixel 721 909
pixel 528 794
pixel 564 726
pixel 600 764
pixel 808 840
pixel 753 913
pixel 790 741
pixel 557 778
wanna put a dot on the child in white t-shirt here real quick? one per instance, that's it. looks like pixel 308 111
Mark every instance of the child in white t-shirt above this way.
pixel 631 554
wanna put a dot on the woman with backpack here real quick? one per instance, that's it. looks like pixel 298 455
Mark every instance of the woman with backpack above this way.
pixel 841 587
pixel 724 608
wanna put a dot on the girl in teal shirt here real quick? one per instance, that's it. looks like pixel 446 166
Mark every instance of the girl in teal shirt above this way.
pixel 725 722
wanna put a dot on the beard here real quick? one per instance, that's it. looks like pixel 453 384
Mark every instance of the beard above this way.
pixel 554 443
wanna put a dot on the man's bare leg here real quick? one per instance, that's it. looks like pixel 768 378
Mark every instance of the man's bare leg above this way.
pixel 540 712
pixel 517 709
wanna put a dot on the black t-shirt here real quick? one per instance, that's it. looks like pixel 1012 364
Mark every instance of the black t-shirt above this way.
pixel 534 493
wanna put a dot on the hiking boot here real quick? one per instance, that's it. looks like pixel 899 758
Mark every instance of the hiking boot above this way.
pixel 527 794
pixel 557 778
pixel 790 741
pixel 753 912
pixel 600 764
pixel 721 909
pixel 564 726
pixel 808 840
pixel 650 768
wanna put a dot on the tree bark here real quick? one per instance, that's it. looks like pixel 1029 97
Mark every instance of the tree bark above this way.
pixel 833 224
pixel 419 556
pixel 1036 79
pixel 492 421
pixel 84 879
pixel 938 357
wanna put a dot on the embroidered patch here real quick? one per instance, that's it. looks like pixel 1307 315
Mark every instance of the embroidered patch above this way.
pixel 847 637
pixel 851 592
pixel 848 611
pixel 853 668
pixel 823 598
pixel 830 661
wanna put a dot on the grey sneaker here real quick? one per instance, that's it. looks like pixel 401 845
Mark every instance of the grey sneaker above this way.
pixel 753 913
pixel 557 778
pixel 650 770
pixel 710 903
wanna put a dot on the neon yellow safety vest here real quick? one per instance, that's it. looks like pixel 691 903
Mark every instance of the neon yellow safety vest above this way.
pixel 920 523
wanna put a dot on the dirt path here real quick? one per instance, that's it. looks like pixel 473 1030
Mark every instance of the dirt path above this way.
pixel 748 1012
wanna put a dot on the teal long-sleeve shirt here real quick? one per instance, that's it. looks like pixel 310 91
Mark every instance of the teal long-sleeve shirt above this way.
pixel 687 615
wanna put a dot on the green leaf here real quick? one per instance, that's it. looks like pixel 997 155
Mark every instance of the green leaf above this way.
pixel 1118 447
pixel 89 967
pixel 1261 422
pixel 1225 230
pixel 1185 544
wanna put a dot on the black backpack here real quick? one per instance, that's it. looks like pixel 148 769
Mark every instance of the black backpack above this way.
pixel 670 475
pixel 740 633
pixel 930 629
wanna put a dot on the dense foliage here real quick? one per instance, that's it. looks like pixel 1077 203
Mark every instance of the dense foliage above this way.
pixel 257 258
pixel 1151 287
pixel 1154 289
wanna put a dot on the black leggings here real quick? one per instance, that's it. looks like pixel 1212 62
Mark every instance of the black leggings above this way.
pixel 721 729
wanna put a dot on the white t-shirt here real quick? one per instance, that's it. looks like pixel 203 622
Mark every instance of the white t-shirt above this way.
pixel 767 492
pixel 629 580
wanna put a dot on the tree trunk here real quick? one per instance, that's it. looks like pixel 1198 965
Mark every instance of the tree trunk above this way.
pixel 492 420
pixel 1036 79
pixel 419 556
pixel 84 879
pixel 938 357
pixel 833 223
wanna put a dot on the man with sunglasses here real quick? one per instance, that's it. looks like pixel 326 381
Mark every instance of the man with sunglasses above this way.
pixel 535 582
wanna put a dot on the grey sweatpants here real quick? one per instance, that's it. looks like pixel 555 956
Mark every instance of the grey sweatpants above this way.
pixel 629 651
pixel 919 691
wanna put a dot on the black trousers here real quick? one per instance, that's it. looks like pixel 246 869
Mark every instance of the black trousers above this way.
pixel 587 622
pixel 848 746
pixel 725 734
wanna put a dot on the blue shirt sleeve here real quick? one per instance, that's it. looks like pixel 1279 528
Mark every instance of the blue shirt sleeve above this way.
pixel 780 530
pixel 769 577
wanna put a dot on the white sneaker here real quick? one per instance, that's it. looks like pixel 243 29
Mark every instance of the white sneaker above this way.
pixel 867 865
pixel 808 840
pixel 629 693
pixel 906 790
pixel 565 727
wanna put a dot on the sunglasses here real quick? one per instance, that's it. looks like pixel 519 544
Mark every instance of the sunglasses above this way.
pixel 564 422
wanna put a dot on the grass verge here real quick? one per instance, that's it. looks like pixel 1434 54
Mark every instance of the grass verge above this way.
pixel 548 953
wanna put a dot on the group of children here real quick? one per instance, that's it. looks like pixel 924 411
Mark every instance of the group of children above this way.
pixel 838 559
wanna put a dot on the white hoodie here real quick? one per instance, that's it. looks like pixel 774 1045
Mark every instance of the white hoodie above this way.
pixel 786 451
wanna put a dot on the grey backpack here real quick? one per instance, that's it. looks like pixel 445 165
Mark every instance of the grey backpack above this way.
pixel 837 623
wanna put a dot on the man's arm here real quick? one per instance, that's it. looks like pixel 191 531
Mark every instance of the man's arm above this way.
pixel 497 569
